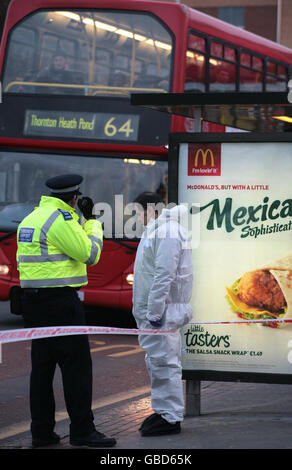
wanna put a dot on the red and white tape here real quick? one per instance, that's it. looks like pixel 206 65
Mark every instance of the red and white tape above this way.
pixel 10 336
pixel 263 320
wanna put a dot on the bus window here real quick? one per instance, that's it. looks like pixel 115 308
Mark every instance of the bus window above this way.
pixel 250 80
pixel 282 72
pixel 196 43
pixel 257 63
pixel 195 78
pixel 216 49
pixel 229 54
pixel 51 45
pixel 222 75
pixel 195 72
pixel 245 59
pixel 275 84
pixel 276 79
pixel 111 182
pixel 23 52
pixel 271 67
pixel 88 52
pixel 250 73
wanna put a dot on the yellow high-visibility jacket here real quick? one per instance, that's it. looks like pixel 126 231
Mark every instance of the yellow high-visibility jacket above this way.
pixel 52 247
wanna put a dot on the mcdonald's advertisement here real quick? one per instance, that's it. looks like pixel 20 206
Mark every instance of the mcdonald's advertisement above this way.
pixel 240 196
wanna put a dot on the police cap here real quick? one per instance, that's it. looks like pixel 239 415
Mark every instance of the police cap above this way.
pixel 64 184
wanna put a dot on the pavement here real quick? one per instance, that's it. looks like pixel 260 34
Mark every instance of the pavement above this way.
pixel 234 415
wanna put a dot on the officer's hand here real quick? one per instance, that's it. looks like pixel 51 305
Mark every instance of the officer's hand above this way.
pixel 85 205
pixel 156 324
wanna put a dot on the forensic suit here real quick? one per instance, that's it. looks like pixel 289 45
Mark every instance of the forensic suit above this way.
pixel 163 278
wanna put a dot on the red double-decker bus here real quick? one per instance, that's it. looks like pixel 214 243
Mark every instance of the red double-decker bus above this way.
pixel 68 68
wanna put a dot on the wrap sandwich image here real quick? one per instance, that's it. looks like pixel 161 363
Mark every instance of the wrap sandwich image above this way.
pixel 265 293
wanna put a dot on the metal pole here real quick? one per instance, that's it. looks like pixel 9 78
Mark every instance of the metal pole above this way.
pixel 193 387
pixel 193 398
pixel 197 118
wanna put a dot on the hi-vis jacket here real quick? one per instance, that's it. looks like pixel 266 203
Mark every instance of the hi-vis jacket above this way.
pixel 52 247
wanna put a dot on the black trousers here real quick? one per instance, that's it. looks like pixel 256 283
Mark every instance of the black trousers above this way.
pixel 58 307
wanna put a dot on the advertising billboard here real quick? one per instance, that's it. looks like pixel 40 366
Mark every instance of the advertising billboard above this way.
pixel 242 291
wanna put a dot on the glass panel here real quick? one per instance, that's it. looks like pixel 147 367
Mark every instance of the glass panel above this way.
pixel 216 49
pixel 89 52
pixel 222 76
pixel 257 63
pixel 229 54
pixel 250 80
pixel 271 67
pixel 50 42
pixel 23 179
pixel 281 72
pixel 233 15
pixel 274 84
pixel 195 72
pixel 245 59
pixel 22 49
pixel 196 42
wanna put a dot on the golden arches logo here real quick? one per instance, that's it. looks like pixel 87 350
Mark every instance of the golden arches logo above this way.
pixel 204 154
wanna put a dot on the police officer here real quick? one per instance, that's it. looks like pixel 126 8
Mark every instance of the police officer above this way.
pixel 52 253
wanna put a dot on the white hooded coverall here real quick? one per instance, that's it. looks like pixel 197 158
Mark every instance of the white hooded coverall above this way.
pixel 163 279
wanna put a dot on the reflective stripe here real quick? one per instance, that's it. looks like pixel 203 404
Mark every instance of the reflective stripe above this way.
pixel 96 240
pixel 94 249
pixel 43 258
pixel 44 230
pixel 53 282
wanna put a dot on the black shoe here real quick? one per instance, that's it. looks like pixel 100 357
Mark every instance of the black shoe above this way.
pixel 48 440
pixel 158 426
pixel 95 439
pixel 148 420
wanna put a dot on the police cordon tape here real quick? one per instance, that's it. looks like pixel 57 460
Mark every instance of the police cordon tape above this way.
pixel 263 320
pixel 24 334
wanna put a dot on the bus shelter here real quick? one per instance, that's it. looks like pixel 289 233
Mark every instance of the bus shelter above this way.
pixel 237 188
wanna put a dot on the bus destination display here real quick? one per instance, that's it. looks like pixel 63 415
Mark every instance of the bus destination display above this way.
pixel 70 124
